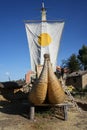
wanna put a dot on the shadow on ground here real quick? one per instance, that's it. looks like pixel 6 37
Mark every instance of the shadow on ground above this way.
pixel 22 108
pixel 83 106
pixel 15 108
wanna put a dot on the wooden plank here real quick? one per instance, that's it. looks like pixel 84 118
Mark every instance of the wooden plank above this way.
pixel 62 104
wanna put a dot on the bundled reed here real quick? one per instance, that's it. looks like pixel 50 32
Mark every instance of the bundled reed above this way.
pixel 56 94
pixel 47 87
pixel 39 89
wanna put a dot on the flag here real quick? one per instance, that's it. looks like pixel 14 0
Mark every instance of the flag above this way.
pixel 43 37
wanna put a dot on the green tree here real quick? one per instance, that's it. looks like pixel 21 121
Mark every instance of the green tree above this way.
pixel 82 56
pixel 72 63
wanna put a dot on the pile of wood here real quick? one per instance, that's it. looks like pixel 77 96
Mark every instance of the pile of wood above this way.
pixel 12 90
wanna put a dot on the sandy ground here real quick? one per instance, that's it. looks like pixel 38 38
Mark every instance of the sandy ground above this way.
pixel 14 116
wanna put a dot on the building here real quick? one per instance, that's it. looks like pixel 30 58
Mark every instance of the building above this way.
pixel 77 79
pixel 29 75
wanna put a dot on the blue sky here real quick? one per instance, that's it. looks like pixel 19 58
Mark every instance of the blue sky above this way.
pixel 14 52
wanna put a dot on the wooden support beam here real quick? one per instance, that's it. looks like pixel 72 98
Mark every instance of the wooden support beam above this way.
pixel 65 108
pixel 31 112
pixel 64 105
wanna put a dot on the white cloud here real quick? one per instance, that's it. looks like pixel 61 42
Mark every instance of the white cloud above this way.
pixel 7 73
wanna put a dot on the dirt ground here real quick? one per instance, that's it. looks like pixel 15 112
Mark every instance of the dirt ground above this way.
pixel 14 116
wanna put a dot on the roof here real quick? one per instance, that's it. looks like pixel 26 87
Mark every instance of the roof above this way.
pixel 77 73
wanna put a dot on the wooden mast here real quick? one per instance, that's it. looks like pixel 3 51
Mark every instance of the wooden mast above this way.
pixel 43 12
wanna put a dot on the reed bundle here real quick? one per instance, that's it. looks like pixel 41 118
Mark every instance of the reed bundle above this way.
pixel 39 89
pixel 56 93
pixel 47 86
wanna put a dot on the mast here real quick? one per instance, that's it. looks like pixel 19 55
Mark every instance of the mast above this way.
pixel 43 12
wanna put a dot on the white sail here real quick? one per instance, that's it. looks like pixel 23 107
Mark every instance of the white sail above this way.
pixel 43 37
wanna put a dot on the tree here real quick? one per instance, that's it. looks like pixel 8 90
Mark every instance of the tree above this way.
pixel 82 56
pixel 72 63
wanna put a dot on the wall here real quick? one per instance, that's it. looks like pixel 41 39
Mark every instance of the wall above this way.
pixel 74 81
pixel 84 81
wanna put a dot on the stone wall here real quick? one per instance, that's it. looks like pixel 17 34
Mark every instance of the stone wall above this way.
pixel 74 81
pixel 84 81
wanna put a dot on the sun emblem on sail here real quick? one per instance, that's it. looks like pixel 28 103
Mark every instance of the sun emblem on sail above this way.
pixel 44 39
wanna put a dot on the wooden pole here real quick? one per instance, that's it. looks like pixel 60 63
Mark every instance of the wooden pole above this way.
pixel 31 112
pixel 65 112
pixel 36 21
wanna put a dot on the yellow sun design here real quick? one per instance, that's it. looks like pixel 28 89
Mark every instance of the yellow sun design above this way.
pixel 44 39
